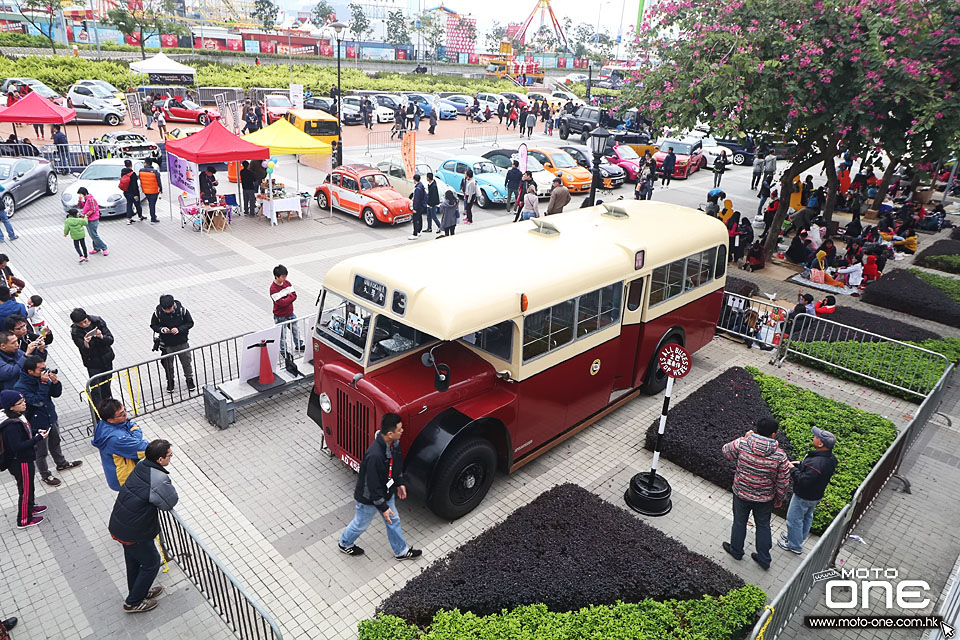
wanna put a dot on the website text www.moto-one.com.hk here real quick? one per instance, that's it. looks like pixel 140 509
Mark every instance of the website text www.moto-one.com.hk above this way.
pixel 873 622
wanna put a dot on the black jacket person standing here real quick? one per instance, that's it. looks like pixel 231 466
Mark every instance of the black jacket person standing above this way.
pixel 19 456
pixel 172 322
pixel 95 342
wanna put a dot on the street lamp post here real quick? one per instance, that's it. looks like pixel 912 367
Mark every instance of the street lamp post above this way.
pixel 338 28
pixel 598 143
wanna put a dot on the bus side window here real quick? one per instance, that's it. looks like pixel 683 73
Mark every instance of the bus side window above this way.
pixel 721 261
pixel 635 295
pixel 549 329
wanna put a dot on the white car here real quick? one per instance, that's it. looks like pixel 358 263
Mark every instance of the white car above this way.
pixel 101 178
pixel 573 78
pixel 712 149
pixel 380 114
pixel 93 96
pixel 397 176
pixel 494 98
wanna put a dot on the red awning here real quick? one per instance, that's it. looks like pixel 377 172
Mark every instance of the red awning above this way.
pixel 32 109
pixel 215 144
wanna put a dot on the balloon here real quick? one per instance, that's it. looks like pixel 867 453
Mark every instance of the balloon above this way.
pixel 264 164
pixel 269 170
pixel 271 165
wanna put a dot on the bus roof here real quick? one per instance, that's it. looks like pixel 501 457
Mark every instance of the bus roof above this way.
pixel 467 282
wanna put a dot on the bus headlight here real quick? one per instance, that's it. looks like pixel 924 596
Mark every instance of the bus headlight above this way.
pixel 325 404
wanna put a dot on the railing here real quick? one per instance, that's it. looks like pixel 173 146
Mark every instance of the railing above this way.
pixel 256 95
pixel 382 140
pixel 75 157
pixel 480 135
pixel 891 363
pixel 758 322
pixel 244 616
pixel 823 555
pixel 143 387
pixel 208 95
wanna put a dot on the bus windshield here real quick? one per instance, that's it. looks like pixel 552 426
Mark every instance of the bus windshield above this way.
pixel 344 324
pixel 392 338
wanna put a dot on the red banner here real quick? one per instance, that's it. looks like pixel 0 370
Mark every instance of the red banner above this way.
pixel 473 58
pixel 401 54
pixel 351 51
pixel 234 45
pixel 268 47
pixel 326 50
pixel 168 40
pixel 133 40
pixel 561 63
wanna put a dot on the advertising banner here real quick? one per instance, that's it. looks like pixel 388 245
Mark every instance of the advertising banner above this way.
pixel 235 112
pixel 351 51
pixel 522 156
pixel 183 174
pixel 408 151
pixel 251 46
pixel 169 40
pixel 561 63
pixel 133 108
pixel 296 95
pixel 221 100
pixel 234 44
pixel 181 79
pixel 401 54
pixel 268 47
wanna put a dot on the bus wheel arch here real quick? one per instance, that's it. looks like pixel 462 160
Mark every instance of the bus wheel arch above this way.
pixel 655 380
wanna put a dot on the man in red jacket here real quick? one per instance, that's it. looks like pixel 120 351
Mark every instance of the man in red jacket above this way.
pixel 283 294
pixel 760 483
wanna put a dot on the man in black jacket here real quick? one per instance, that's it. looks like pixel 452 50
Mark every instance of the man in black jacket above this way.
pixel 810 479
pixel 248 185
pixel 512 183
pixel 172 323
pixel 381 477
pixel 95 342
pixel 135 522
pixel 39 387
pixel 27 339
pixel 132 192
pixel 20 455
pixel 433 202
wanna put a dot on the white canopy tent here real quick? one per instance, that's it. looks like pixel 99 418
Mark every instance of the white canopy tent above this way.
pixel 161 64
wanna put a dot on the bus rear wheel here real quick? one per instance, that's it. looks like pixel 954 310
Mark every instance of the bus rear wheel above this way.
pixel 656 379
pixel 463 478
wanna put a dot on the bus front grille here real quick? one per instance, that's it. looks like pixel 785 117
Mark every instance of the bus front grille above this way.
pixel 355 429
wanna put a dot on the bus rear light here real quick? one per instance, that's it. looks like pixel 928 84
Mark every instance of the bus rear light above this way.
pixel 523 302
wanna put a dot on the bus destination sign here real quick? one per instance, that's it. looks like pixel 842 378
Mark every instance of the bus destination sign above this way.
pixel 371 290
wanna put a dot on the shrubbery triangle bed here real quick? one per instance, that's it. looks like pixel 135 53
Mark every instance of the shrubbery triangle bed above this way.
pixel 727 406
pixel 901 290
pixel 568 549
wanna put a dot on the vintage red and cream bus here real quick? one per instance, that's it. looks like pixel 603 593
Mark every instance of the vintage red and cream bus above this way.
pixel 498 344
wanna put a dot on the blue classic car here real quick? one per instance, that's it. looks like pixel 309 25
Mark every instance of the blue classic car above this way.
pixel 489 180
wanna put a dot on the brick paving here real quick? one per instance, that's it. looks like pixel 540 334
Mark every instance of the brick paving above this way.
pixel 261 494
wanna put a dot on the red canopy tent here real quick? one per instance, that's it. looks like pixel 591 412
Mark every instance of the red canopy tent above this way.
pixel 213 144
pixel 33 109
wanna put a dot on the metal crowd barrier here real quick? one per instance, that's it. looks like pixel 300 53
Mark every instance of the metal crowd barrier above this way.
pixel 480 135
pixel 383 140
pixel 142 387
pixel 758 322
pixel 241 612
pixel 208 94
pixel 892 363
pixel 256 95
pixel 788 600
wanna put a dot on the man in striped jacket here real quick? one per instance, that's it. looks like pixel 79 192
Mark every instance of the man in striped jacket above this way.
pixel 760 483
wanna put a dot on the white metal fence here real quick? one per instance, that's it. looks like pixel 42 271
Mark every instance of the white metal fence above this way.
pixel 486 134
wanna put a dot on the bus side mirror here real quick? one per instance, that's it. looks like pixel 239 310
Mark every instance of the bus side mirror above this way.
pixel 441 380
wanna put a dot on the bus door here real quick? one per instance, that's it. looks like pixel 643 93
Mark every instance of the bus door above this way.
pixel 633 369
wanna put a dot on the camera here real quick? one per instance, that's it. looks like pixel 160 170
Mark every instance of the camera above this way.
pixel 156 343
pixel 49 370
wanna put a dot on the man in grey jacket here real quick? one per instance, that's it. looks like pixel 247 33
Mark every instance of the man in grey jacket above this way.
pixel 769 167
pixel 135 522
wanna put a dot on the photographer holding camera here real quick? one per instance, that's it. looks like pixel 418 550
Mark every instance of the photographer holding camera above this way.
pixel 95 342
pixel 39 386
pixel 172 322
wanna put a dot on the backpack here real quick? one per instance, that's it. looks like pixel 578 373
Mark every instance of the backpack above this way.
pixel 124 182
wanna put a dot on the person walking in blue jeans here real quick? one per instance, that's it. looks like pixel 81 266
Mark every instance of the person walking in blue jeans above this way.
pixel 760 484
pixel 283 295
pixel 379 481
pixel 90 209
pixel 433 203
pixel 4 219
pixel 810 480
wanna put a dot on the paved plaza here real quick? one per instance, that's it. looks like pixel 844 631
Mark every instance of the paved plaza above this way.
pixel 270 504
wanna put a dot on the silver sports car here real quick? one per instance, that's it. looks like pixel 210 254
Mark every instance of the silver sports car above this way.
pixel 102 179
pixel 25 180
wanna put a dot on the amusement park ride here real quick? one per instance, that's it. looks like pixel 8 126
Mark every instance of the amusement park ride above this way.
pixel 543 6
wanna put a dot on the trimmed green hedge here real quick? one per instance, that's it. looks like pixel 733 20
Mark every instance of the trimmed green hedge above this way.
pixel 897 364
pixel 708 618
pixel 950 264
pixel 862 438
pixel 949 286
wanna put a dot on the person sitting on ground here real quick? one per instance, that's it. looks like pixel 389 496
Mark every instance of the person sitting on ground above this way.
pixel 908 243
pixel 802 219
pixel 825 307
pixel 854 253
pixel 806 299
pixel 755 257
pixel 831 250
pixel 870 269
pixel 799 251
pixel 852 275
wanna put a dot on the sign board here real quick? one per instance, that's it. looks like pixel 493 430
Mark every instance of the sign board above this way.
pixel 408 151
pixel 250 358
pixel 506 48
pixel 674 360
pixel 183 174
pixel 170 78
pixel 296 95
pixel 133 108
pixel 221 100
pixel 234 106
pixel 522 157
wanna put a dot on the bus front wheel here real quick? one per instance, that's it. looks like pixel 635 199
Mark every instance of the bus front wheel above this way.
pixel 656 379
pixel 463 478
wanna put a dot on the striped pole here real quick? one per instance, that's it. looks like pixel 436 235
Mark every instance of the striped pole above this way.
pixel 663 426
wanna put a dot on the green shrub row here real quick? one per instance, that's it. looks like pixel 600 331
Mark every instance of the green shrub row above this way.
pixel 887 361
pixel 948 263
pixel 579 89
pixel 862 438
pixel 59 72
pixel 949 286
pixel 708 618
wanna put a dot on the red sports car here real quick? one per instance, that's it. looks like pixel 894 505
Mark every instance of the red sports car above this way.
pixel 689 154
pixel 275 106
pixel 183 110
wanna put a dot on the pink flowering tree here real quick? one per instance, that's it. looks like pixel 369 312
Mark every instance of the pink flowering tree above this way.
pixel 829 75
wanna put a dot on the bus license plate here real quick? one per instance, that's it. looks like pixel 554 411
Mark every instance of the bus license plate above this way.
pixel 350 462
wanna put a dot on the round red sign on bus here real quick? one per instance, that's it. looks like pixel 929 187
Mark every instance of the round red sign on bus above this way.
pixel 674 360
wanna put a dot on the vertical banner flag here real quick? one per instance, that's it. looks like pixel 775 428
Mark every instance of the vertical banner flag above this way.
pixel 221 100
pixel 296 95
pixel 234 107
pixel 522 153
pixel 183 174
pixel 133 108
pixel 408 151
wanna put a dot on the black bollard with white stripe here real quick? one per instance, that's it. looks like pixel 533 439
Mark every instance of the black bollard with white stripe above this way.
pixel 649 493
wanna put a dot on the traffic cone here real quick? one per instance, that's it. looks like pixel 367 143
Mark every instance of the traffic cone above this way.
pixel 266 369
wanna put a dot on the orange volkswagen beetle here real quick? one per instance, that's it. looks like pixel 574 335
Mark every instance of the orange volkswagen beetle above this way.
pixel 560 163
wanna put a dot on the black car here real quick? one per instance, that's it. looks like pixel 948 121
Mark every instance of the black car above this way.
pixel 742 151
pixel 350 114
pixel 584 120
pixel 584 158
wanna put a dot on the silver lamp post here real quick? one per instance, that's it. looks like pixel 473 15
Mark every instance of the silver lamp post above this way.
pixel 598 143
pixel 338 28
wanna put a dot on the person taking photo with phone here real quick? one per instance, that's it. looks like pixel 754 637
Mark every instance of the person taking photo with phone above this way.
pixel 95 342
pixel 19 456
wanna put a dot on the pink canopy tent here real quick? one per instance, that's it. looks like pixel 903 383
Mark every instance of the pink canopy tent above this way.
pixel 33 109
